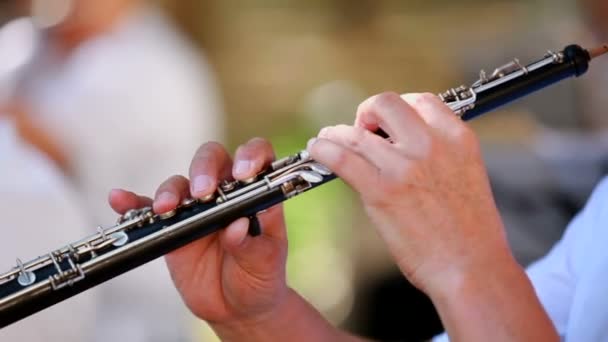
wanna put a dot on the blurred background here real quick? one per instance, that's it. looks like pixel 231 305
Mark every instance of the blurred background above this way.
pixel 100 95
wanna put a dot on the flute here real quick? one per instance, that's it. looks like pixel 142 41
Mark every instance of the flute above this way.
pixel 141 236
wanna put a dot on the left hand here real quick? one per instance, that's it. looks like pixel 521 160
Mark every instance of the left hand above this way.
pixel 228 278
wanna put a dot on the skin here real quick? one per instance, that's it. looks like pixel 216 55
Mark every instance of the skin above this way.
pixel 428 196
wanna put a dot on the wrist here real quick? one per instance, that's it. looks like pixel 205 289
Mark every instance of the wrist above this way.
pixel 487 265
pixel 488 303
pixel 475 280
pixel 247 325
pixel 291 319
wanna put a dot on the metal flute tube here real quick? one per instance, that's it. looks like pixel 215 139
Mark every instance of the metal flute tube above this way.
pixel 142 236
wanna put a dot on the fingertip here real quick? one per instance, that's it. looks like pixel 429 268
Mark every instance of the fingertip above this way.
pixel 251 158
pixel 202 185
pixel 243 168
pixel 120 200
pixel 368 120
pixel 165 201
pixel 114 195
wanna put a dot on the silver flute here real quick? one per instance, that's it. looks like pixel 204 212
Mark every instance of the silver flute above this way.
pixel 140 235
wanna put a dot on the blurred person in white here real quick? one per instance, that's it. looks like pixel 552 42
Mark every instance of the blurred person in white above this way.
pixel 40 211
pixel 124 100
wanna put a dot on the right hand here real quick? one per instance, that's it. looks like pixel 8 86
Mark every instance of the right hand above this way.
pixel 227 278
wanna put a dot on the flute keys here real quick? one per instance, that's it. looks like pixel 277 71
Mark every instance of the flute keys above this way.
pixel 121 239
pixel 228 186
pixel 25 277
pixel 207 199
pixel 167 215
pixel 250 180
pixel 131 214
pixel 188 202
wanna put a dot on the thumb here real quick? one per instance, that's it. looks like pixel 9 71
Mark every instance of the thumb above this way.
pixel 233 238
pixel 263 255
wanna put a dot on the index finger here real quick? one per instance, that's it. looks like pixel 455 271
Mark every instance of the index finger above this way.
pixel 210 165
pixel 395 116
pixel 252 158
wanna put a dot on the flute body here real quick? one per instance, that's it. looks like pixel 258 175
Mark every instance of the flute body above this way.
pixel 141 236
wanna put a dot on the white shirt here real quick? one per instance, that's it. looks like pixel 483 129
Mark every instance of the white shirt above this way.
pixel 572 280
pixel 130 109
pixel 39 213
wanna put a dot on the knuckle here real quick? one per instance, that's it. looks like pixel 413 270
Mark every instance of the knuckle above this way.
pixel 425 144
pixel 386 98
pixel 428 97
pixel 341 159
pixel 465 136
pixel 362 108
pixel 378 101
pixel 357 138
pixel 402 173
pixel 422 100
pixel 326 132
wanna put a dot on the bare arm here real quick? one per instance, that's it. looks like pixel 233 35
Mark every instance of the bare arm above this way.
pixel 427 193
pixel 295 320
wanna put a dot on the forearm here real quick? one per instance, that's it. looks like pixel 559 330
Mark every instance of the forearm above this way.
pixel 294 320
pixel 496 306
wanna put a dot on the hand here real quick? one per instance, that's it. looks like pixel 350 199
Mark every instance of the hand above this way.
pixel 426 191
pixel 228 277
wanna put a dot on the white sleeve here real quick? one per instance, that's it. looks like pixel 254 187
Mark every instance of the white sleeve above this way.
pixel 554 277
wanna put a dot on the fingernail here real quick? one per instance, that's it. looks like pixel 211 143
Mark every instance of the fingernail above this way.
pixel 201 184
pixel 167 197
pixel 310 143
pixel 242 168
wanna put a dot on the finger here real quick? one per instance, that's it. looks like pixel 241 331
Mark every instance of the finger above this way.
pixel 435 113
pixel 251 158
pixel 233 237
pixel 392 114
pixel 122 201
pixel 210 165
pixel 272 222
pixel 170 193
pixel 353 168
pixel 372 147
pixel 255 255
